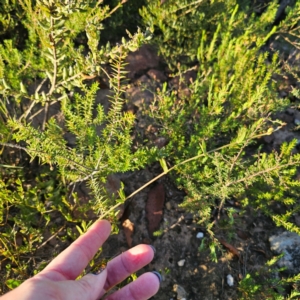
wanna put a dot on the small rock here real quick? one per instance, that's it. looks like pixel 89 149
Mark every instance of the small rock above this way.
pixel 200 235
pixel 181 263
pixel 168 206
pixel 58 220
pixel 160 142
pixel 287 243
pixel 188 218
pixel 230 280
pixel 283 135
pixel 296 114
pixel 138 97
pixel 268 138
pixel 287 118
pixel 187 78
pixel 181 293
pixel 157 75
pixel 203 268
pixel 297 122
pixel 290 111
pixel 144 80
pixel 283 94
pixel 141 60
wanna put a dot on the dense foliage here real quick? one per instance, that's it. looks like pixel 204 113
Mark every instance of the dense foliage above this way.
pixel 57 53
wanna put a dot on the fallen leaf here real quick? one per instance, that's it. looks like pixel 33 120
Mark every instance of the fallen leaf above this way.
pixel 231 248
pixel 154 207
pixel 260 251
pixel 18 240
pixel 243 234
pixel 128 228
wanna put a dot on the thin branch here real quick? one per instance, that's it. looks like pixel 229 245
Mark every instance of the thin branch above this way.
pixel 39 111
pixel 53 82
pixel 261 173
pixel 45 116
pixel 174 167
pixel 52 40
pixel 241 150
pixel 87 177
pixel 69 79
pixel 32 150
pixel 50 238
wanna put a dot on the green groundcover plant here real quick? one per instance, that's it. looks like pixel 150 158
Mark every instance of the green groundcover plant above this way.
pixel 215 119
pixel 228 107
pixel 52 54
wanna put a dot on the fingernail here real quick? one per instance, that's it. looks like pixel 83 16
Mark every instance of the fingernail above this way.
pixel 153 248
pixel 158 276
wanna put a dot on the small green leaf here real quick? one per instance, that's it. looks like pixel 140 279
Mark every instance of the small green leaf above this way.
pixel 22 88
pixel 163 165
pixel 13 283
pixel 121 192
pixel 79 230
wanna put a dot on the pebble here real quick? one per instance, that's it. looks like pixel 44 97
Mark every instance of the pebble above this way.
pixel 200 235
pixel 230 280
pixel 288 244
pixel 181 263
pixel 181 293
pixel 297 122
pixel 58 220
pixel 168 205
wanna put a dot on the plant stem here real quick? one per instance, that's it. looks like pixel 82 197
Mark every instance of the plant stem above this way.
pixel 172 168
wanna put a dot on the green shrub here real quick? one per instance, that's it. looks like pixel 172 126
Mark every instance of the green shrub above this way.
pixel 213 121
pixel 179 26
pixel 52 56
pixel 60 63
pixel 26 206
pixel 227 109
pixel 267 284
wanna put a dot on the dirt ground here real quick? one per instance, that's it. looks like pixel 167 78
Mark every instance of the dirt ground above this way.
pixel 198 277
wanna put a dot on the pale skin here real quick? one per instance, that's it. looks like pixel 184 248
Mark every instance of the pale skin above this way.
pixel 58 280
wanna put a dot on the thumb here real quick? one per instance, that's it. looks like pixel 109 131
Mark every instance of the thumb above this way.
pixel 89 287
pixel 92 285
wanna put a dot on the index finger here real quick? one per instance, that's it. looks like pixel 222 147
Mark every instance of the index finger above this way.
pixel 70 263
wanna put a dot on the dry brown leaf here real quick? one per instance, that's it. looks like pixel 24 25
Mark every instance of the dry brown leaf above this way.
pixel 243 234
pixel 231 248
pixel 18 240
pixel 260 250
pixel 128 228
pixel 154 207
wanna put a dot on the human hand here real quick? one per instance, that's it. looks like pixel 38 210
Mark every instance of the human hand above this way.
pixel 57 280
